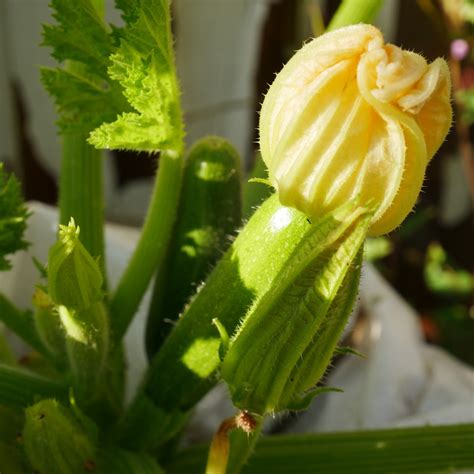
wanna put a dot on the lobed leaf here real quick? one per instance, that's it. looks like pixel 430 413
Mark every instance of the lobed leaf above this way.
pixel 13 215
pixel 144 66
pixel 80 35
pixel 84 95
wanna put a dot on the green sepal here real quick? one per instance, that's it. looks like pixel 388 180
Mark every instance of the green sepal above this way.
pixel 57 441
pixel 279 337
pixel 224 347
pixel 47 324
pixel 255 189
pixel 74 277
pixel 346 350
pixel 317 356
pixel 208 214
pixel 303 402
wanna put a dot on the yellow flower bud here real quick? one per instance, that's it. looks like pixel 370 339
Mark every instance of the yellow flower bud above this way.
pixel 352 117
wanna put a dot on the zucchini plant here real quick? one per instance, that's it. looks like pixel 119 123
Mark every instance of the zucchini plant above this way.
pixel 346 132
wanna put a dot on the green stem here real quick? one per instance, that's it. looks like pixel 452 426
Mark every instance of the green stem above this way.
pixel 81 193
pixel 152 245
pixel 21 323
pixel 355 11
pixel 242 446
pixel 20 388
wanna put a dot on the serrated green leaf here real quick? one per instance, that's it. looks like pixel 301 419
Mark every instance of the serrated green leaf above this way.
pixel 13 215
pixel 129 9
pixel 83 103
pixel 144 66
pixel 84 94
pixel 80 34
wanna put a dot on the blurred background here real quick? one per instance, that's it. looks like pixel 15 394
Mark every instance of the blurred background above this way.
pixel 227 53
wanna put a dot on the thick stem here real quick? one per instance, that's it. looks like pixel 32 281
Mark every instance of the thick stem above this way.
pixel 81 191
pixel 355 11
pixel 81 182
pixel 152 245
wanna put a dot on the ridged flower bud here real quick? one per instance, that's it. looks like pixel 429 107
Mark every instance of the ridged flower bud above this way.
pixel 350 116
pixel 74 277
pixel 58 440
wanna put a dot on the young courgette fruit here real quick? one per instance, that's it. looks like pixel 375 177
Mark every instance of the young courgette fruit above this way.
pixel 210 210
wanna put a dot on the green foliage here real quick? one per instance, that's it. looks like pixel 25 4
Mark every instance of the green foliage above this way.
pixel 13 216
pixel 443 279
pixel 466 97
pixel 144 66
pixel 85 96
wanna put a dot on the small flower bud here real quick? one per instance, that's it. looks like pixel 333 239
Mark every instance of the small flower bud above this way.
pixel 74 278
pixel 56 440
pixel 350 116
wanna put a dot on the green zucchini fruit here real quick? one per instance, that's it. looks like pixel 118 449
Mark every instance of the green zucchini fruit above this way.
pixel 210 211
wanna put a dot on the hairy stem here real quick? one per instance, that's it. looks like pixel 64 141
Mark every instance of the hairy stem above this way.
pixel 152 245
pixel 81 193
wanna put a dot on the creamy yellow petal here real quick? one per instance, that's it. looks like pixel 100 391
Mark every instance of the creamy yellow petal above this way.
pixel 348 117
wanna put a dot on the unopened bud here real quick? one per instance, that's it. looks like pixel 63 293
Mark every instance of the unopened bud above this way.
pixel 74 277
pixel 286 340
pixel 56 441
pixel 350 116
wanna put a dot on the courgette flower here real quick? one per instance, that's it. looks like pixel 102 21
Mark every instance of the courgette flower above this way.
pixel 352 117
